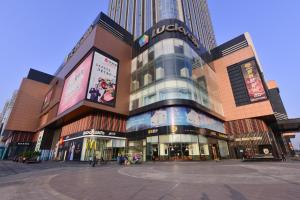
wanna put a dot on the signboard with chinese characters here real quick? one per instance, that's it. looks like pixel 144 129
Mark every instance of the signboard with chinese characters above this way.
pixel 253 82
pixel 39 141
pixel 103 80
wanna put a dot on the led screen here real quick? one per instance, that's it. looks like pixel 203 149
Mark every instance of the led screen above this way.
pixel 180 116
pixel 103 80
pixel 75 85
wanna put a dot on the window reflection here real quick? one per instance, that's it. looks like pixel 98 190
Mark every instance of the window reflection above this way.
pixel 138 19
pixel 130 16
pixel 168 9
pixel 172 70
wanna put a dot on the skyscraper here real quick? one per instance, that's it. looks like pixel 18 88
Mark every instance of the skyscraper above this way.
pixel 137 16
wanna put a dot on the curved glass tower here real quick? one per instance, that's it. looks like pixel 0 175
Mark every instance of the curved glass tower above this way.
pixel 138 16
pixel 175 110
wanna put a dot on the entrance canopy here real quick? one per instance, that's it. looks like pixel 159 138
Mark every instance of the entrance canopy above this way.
pixel 289 125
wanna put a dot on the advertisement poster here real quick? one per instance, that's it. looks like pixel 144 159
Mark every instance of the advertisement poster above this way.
pixel 103 81
pixel 39 141
pixel 253 82
pixel 74 150
pixel 75 85
pixel 180 116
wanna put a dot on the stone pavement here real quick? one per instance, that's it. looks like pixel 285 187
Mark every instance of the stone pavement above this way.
pixel 158 181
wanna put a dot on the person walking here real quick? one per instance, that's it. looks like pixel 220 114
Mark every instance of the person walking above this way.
pixel 94 161
pixel 283 158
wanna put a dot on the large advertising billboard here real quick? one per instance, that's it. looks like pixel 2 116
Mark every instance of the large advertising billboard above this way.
pixel 103 80
pixel 179 116
pixel 253 81
pixel 75 85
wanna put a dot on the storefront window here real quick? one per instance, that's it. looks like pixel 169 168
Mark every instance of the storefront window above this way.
pixel 183 147
pixel 108 149
pixel 137 148
pixel 223 146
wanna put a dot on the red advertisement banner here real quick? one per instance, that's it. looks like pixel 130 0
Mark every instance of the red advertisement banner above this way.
pixel 253 82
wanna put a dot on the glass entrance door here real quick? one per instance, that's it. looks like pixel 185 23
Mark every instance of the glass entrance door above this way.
pixel 175 151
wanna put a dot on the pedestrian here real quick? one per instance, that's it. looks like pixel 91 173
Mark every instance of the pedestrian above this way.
pixel 283 158
pixel 94 161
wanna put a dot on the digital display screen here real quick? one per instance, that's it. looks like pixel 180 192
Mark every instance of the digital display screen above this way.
pixel 180 116
pixel 75 85
pixel 103 80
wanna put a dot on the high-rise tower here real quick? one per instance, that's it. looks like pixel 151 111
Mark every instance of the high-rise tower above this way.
pixel 137 16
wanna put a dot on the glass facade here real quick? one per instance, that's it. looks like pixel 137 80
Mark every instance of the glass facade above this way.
pixel 138 19
pixel 130 16
pixel 185 147
pixel 168 9
pixel 171 69
pixel 124 14
pixel 148 14
pixel 145 13
pixel 84 149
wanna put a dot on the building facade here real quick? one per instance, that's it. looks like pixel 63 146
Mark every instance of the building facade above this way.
pixel 149 81
pixel 138 16
pixel 5 114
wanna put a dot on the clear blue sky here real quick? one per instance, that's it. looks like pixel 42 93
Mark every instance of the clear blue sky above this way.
pixel 38 34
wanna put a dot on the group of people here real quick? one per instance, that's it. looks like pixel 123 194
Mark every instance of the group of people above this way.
pixel 124 160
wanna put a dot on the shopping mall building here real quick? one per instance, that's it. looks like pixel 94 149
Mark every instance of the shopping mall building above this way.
pixel 149 79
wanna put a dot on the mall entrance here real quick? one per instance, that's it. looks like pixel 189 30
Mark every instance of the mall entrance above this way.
pixel 184 147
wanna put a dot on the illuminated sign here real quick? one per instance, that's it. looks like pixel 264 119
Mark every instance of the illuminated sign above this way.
pixel 248 139
pixel 143 40
pixel 175 28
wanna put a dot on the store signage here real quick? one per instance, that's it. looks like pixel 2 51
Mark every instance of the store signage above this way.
pixel 39 141
pixel 143 40
pixel 175 28
pixel 93 132
pixel 173 129
pixel 99 133
pixel 23 143
pixel 248 139
pixel 152 131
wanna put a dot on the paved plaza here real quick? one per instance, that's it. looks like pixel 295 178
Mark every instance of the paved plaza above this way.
pixel 230 179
